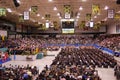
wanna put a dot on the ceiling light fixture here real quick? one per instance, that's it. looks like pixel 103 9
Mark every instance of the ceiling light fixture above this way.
pixel 9 10
pixel 81 8
pixel 84 0
pixel 50 0
pixel 106 8
pixel 38 14
pixel 78 14
pixel 95 16
pixel 58 14
pixel 29 9
pixel 77 17
pixel 19 1
pixel 55 8
pixel 60 17
pixel 43 18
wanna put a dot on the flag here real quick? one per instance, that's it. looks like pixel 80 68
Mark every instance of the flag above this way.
pixel 117 16
pixel 67 11
pixel 67 8
pixel 47 16
pixel 82 25
pixel 3 12
pixel 43 27
pixel 110 13
pixel 56 27
pixel 26 15
pixel 34 9
pixel 88 16
pixel 96 26
pixel 21 18
pixel 95 9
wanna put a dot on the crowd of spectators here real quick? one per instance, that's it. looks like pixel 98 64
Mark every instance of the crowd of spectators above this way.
pixel 112 43
pixel 18 72
pixel 77 64
pixel 70 64
pixel 22 45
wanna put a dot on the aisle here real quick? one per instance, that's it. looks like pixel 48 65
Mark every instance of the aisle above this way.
pixel 106 73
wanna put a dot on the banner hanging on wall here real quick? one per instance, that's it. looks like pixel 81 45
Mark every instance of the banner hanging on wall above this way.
pixel 3 12
pixel 111 13
pixel 95 9
pixel 117 16
pixel 82 25
pixel 26 15
pixel 55 25
pixel 34 9
pixel 47 16
pixel 21 18
pixel 67 11
pixel 88 16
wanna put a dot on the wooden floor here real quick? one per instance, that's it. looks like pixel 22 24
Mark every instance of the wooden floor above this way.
pixel 105 74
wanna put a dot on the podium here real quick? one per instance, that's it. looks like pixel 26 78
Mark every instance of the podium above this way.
pixel 39 56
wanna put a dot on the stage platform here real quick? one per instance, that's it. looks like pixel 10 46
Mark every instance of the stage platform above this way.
pixel 23 57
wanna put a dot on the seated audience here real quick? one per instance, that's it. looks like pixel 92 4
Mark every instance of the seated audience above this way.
pixel 18 72
pixel 77 64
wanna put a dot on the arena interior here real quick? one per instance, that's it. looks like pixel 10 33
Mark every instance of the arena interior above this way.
pixel 59 39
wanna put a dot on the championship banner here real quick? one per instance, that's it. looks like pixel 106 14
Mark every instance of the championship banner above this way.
pixel 43 27
pixel 110 13
pixel 96 26
pixel 47 16
pixel 117 16
pixel 82 25
pixel 34 9
pixel 88 16
pixel 3 12
pixel 21 18
pixel 67 11
pixel 26 15
pixel 95 9
pixel 55 25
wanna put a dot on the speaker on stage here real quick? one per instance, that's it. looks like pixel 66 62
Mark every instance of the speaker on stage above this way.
pixel 16 3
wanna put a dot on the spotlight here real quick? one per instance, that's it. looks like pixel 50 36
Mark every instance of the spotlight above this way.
pixel 16 3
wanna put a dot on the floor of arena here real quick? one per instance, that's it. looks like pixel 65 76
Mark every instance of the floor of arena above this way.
pixel 104 73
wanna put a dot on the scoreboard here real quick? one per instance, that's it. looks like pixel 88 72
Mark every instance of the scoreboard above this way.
pixel 68 27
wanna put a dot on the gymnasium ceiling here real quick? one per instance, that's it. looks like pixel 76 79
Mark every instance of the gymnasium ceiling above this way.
pixel 46 7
